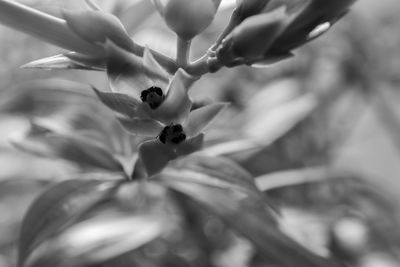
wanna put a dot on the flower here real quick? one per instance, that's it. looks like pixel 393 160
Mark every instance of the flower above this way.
pixel 263 31
pixel 177 139
pixel 143 94
pixel 187 17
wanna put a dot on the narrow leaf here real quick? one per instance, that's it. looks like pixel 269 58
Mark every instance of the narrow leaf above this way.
pixel 120 103
pixel 59 62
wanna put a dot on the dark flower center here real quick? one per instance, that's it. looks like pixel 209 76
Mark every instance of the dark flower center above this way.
pixel 172 134
pixel 153 97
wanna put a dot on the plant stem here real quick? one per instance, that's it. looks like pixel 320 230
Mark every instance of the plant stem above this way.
pixel 46 27
pixel 183 52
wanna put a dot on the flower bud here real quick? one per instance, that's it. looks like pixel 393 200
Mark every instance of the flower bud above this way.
pixel 311 16
pixel 96 27
pixel 252 38
pixel 247 8
pixel 187 17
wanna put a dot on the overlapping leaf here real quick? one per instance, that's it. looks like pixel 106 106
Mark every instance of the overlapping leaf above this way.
pixel 56 207
pixel 121 221
pixel 66 107
pixel 236 204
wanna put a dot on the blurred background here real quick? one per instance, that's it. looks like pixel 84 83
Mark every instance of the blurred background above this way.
pixel 329 119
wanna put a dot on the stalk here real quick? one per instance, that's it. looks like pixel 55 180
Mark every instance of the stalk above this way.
pixel 44 26
pixel 183 52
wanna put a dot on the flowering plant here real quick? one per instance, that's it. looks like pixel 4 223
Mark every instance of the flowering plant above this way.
pixel 148 164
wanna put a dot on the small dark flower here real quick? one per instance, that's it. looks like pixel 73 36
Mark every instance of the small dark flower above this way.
pixel 177 139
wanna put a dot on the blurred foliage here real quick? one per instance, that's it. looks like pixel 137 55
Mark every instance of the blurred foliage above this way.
pixel 328 120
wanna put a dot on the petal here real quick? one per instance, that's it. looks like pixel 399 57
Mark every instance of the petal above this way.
pixel 155 156
pixel 97 27
pixel 176 106
pixel 125 71
pixel 154 71
pixel 120 103
pixel 201 117
pixel 191 145
pixel 142 127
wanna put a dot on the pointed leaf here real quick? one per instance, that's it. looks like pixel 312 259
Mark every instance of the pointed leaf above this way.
pixel 153 70
pixel 201 117
pixel 95 62
pixel 120 103
pixel 176 106
pixel 55 208
pixel 142 126
pixel 59 62
pixel 191 145
pixel 155 156
pixel 125 71
pixel 97 26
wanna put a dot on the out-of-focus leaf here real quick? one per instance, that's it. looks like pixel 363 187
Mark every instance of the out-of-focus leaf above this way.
pixel 34 168
pixel 268 121
pixel 59 62
pixel 226 190
pixel 216 171
pixel 155 156
pixel 201 117
pixel 56 207
pixel 82 151
pixel 95 241
pixel 334 197
pixel 65 107
pixel 249 221
pixel 134 15
pixel 131 216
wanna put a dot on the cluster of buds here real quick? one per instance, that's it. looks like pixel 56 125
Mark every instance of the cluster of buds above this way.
pixel 266 31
